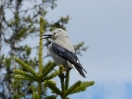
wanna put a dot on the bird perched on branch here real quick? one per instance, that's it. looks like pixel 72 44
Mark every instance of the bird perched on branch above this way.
pixel 63 52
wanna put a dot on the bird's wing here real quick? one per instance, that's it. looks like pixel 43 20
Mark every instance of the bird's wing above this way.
pixel 67 55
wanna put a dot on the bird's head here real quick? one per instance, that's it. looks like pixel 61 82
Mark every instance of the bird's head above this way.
pixel 57 34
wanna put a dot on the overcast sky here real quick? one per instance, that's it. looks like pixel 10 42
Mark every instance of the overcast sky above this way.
pixel 106 28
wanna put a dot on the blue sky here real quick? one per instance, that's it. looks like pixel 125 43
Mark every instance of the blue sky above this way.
pixel 106 28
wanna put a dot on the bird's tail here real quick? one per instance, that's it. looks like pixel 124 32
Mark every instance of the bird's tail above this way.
pixel 79 70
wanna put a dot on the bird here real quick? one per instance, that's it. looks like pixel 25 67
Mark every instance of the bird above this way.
pixel 63 52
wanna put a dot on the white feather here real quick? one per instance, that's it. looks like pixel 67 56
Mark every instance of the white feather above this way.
pixel 72 66
pixel 78 61
pixel 75 69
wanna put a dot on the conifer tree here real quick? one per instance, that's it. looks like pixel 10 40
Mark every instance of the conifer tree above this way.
pixel 19 20
pixel 44 76
pixel 17 23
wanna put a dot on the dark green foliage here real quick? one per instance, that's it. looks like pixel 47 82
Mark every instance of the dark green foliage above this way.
pixel 44 76
pixel 52 75
pixel 73 87
pixel 22 74
pixel 67 80
pixel 82 87
pixel 51 97
pixel 21 24
pixel 65 91
pixel 18 22
pixel 52 85
pixel 49 68
pixel 31 74
pixel 79 48
pixel 27 67
pixel 35 96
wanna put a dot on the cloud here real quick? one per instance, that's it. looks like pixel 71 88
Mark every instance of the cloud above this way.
pixel 109 90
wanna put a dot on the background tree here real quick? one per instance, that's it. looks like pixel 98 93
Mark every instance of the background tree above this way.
pixel 45 75
pixel 18 22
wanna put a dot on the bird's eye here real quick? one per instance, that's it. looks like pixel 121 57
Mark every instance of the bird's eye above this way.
pixel 55 33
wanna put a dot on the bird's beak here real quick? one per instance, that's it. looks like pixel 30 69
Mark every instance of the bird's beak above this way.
pixel 47 36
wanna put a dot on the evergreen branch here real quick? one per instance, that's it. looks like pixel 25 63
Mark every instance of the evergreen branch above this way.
pixel 39 89
pixel 47 65
pixel 61 68
pixel 52 85
pixel 62 84
pixel 49 68
pixel 82 87
pixel 52 75
pixel 40 45
pixel 67 79
pixel 51 97
pixel 17 76
pixel 35 96
pixel 20 72
pixel 72 88
pixel 27 67
pixel 40 58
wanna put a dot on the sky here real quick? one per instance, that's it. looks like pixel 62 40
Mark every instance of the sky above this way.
pixel 106 28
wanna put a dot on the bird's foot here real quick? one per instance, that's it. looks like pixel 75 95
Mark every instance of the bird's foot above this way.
pixel 62 76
